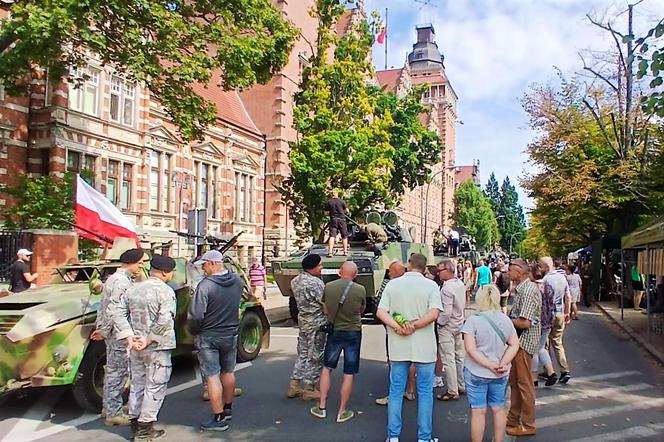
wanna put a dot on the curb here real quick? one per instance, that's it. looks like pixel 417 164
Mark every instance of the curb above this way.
pixel 278 314
pixel 647 346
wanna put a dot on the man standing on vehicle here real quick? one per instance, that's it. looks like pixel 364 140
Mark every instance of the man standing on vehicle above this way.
pixel 337 209
pixel 308 290
pixel 345 301
pixel 117 360
pixel 20 277
pixel 214 321
pixel 151 307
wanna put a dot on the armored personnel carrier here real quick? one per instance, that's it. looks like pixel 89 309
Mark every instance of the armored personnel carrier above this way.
pixel 45 332
pixel 372 259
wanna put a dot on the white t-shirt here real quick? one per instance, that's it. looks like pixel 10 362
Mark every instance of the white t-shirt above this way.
pixel 487 341
pixel 454 234
pixel 412 295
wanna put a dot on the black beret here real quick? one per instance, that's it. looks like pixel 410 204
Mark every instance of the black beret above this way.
pixel 131 256
pixel 163 263
pixel 311 261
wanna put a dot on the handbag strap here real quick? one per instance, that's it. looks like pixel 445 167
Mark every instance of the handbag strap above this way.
pixel 342 300
pixel 495 328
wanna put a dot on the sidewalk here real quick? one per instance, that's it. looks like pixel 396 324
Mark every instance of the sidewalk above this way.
pixel 635 324
pixel 276 305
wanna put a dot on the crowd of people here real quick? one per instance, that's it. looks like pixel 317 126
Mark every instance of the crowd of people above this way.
pixel 431 341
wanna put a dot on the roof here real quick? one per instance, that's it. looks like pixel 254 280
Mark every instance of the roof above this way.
pixel 343 24
pixel 229 106
pixel 389 79
pixel 651 234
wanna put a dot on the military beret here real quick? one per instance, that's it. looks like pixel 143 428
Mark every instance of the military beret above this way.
pixel 311 261
pixel 163 263
pixel 131 256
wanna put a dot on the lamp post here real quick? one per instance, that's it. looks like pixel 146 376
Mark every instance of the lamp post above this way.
pixel 511 238
pixel 426 203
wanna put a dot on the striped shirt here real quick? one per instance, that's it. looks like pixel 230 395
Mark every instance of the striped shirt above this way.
pixel 257 276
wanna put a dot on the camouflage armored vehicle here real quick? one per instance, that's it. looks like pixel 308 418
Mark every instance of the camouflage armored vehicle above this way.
pixel 44 332
pixel 372 262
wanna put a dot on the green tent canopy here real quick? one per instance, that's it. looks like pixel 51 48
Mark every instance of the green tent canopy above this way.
pixel 651 234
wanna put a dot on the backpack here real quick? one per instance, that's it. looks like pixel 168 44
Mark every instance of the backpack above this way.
pixel 502 283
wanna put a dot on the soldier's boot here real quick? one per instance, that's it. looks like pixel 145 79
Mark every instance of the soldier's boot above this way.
pixel 133 428
pixel 294 388
pixel 146 432
pixel 121 420
pixel 310 393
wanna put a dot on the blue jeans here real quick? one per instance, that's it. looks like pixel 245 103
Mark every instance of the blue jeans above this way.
pixel 398 380
pixel 485 391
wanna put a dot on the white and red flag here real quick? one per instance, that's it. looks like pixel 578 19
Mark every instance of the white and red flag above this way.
pixel 381 32
pixel 95 214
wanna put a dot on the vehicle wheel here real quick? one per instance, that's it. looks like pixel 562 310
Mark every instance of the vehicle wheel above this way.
pixel 88 389
pixel 292 308
pixel 250 337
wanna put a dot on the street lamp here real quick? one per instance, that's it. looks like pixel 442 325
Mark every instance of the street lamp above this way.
pixel 511 238
pixel 426 203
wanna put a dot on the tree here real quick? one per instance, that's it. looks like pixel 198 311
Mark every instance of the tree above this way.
pixel 169 46
pixel 472 212
pixel 651 66
pixel 492 191
pixel 511 220
pixel 352 136
pixel 535 244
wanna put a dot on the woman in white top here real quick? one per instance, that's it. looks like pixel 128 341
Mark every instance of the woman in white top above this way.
pixel 491 343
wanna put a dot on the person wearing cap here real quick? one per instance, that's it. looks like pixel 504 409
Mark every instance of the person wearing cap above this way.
pixel 214 322
pixel 308 291
pixel 20 277
pixel 150 307
pixel 117 361
pixel 526 314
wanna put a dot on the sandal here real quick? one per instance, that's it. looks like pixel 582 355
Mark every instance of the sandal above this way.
pixel 447 397
pixel 409 396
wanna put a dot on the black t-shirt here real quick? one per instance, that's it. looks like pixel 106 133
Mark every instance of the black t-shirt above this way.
pixel 337 208
pixel 17 282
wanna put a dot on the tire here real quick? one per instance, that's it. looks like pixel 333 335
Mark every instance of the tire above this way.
pixel 89 384
pixel 250 337
pixel 292 308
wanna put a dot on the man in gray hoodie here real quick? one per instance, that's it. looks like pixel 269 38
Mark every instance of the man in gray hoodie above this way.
pixel 214 320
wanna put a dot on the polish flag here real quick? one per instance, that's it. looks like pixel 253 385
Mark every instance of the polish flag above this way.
pixel 96 214
pixel 381 34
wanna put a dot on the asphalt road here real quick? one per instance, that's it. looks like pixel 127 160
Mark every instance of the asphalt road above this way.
pixel 616 394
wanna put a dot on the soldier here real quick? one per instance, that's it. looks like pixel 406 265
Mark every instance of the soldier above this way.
pixel 150 306
pixel 117 361
pixel 308 292
pixel 375 233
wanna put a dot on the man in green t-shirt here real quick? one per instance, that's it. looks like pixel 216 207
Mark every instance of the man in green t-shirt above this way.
pixel 343 303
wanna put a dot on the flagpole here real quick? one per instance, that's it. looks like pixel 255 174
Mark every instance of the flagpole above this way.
pixel 385 38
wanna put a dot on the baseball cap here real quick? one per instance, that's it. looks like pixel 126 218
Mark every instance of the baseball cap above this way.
pixel 23 252
pixel 210 256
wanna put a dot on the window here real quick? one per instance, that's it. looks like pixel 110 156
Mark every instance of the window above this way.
pixel 213 196
pixel 122 101
pixel 112 182
pixel 204 186
pixel 165 187
pixel 78 162
pixel 84 90
pixel 154 180
pixel 243 197
pixel 125 190
pixel 194 186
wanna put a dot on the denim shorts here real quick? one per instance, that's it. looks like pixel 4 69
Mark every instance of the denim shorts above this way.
pixel 349 342
pixel 216 354
pixel 485 391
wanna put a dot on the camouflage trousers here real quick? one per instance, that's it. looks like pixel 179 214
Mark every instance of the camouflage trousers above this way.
pixel 115 376
pixel 150 373
pixel 310 349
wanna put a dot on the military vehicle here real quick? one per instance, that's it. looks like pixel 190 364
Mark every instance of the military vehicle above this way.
pixel 44 332
pixel 372 260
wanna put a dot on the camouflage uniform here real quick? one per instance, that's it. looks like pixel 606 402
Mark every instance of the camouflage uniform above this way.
pixel 150 307
pixel 117 361
pixel 308 293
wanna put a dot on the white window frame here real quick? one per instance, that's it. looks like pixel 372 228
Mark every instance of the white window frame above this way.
pixel 125 92
pixel 84 79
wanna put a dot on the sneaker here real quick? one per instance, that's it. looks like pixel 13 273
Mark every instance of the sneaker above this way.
pixel 435 439
pixel 120 420
pixel 551 380
pixel 536 384
pixel 543 376
pixel 565 377
pixel 382 400
pixel 214 425
pixel 438 382
pixel 226 415
pixel 345 415
pixel 318 412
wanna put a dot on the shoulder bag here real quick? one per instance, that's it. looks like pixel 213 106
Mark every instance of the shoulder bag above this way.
pixel 328 327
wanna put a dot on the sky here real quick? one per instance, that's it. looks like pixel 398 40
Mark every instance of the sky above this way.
pixel 494 50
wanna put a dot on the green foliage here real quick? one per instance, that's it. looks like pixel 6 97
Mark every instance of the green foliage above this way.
pixel 169 46
pixel 511 220
pixel 650 65
pixel 353 137
pixel 472 211
pixel 45 202
pixel 492 191
pixel 534 245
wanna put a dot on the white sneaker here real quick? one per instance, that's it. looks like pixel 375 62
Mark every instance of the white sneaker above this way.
pixel 438 382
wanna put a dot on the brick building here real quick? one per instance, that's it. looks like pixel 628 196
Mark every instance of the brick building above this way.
pixel 113 129
pixel 425 65
pixel 468 173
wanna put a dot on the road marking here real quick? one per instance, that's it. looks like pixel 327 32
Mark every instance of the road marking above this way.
pixel 601 377
pixel 586 394
pixel 33 418
pixel 567 418
pixel 30 436
pixel 626 435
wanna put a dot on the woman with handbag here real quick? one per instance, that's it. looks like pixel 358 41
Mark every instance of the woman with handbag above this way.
pixel 491 343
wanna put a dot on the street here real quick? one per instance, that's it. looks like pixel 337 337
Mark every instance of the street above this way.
pixel 616 394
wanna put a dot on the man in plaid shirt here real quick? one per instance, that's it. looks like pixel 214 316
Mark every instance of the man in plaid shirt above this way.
pixel 525 314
